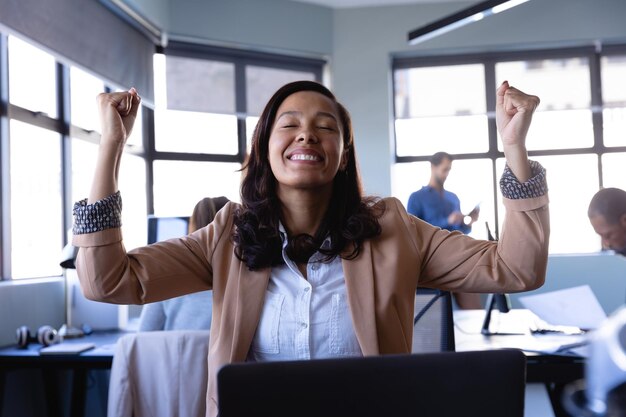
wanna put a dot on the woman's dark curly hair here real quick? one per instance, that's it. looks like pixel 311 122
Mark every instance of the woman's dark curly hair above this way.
pixel 349 219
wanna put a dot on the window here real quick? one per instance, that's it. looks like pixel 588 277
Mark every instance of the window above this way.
pixel 36 206
pixel 428 121
pixel 207 102
pixel 33 139
pixel 51 141
pixel 614 99
pixel 564 107
pixel 448 104
pixel 84 88
pixel 32 74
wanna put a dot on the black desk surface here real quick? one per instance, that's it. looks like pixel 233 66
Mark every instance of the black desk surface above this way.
pixel 555 371
pixel 541 367
pixel 100 357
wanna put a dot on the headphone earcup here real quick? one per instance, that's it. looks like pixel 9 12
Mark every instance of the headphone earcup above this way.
pixel 23 336
pixel 47 336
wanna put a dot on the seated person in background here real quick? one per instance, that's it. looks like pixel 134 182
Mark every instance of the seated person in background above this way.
pixel 191 311
pixel 607 214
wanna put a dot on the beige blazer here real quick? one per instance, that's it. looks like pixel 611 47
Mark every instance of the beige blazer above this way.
pixel 380 282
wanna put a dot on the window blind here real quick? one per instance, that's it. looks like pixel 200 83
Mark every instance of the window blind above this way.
pixel 88 35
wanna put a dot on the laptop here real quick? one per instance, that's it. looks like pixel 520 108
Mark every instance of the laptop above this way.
pixel 446 384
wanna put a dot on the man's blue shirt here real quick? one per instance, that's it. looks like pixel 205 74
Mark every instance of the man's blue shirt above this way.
pixel 434 207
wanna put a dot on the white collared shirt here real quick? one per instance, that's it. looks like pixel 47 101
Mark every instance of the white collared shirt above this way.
pixel 305 318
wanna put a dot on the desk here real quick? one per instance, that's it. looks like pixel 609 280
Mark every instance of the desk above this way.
pixel 555 371
pixel 101 357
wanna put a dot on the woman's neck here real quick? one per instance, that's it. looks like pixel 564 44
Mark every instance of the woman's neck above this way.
pixel 303 210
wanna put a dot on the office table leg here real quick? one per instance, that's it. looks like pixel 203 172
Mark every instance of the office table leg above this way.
pixel 51 383
pixel 2 379
pixel 79 391
pixel 555 391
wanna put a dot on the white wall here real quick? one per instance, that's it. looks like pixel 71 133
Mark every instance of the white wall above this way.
pixel 287 26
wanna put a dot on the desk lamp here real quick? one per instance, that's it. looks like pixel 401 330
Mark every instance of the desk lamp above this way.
pixel 68 256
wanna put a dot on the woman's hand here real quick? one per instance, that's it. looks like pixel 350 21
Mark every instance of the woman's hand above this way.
pixel 514 111
pixel 117 114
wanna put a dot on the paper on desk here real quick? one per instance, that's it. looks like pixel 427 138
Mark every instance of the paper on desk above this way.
pixel 576 306
pixel 563 345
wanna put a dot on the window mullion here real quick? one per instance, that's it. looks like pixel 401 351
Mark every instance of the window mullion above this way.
pixel 5 180
pixel 148 142
pixel 596 109
pixel 63 109
pixel 241 107
pixel 490 91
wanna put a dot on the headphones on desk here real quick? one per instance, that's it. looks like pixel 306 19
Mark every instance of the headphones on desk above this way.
pixel 46 335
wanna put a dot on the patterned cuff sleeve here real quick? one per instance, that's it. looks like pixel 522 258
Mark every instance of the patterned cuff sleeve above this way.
pixel 536 186
pixel 101 215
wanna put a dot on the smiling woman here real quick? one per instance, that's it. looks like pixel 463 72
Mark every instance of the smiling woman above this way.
pixel 307 267
pixel 306 136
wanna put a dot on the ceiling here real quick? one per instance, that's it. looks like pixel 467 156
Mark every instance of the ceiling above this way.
pixel 343 4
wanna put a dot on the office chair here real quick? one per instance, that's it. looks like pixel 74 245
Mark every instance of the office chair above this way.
pixel 162 373
pixel 444 384
pixel 433 324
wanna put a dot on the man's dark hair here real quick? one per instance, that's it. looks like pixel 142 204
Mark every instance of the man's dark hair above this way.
pixel 439 157
pixel 610 203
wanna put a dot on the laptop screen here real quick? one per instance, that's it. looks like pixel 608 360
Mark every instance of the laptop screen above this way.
pixel 485 384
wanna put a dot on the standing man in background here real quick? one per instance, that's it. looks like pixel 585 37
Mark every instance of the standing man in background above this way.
pixel 442 208
pixel 607 214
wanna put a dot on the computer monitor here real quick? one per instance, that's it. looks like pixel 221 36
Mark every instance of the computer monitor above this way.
pixel 163 228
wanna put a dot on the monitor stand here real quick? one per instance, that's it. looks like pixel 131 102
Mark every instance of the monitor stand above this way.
pixel 502 302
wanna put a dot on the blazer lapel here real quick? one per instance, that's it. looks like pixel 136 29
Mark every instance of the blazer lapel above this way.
pixel 359 275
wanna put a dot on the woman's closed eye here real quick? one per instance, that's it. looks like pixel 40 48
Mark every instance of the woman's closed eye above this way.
pixel 288 124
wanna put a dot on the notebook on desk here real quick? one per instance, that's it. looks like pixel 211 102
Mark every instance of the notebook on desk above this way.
pixel 447 384
pixel 66 348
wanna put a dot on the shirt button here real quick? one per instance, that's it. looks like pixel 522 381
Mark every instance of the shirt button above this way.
pixel 307 289
pixel 315 267
pixel 304 325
